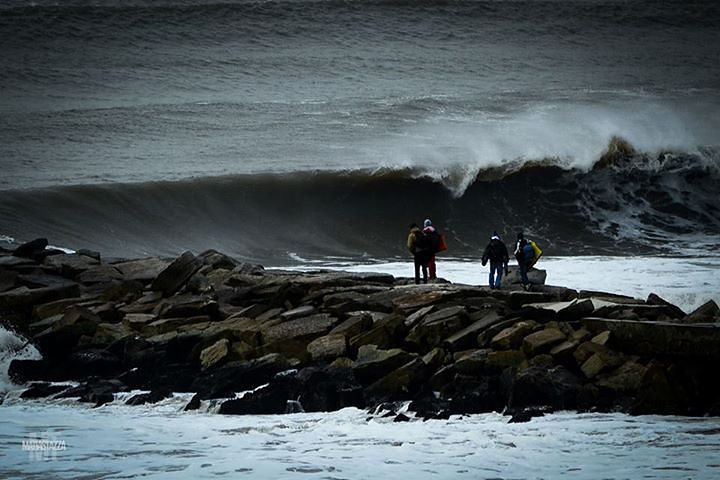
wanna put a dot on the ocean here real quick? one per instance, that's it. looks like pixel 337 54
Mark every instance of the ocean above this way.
pixel 323 128
pixel 308 134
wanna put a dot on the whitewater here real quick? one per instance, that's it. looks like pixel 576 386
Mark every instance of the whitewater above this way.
pixel 116 441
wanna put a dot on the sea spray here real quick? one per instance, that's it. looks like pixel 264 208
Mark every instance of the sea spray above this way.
pixel 13 346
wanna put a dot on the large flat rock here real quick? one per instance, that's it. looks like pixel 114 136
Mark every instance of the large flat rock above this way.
pixel 652 338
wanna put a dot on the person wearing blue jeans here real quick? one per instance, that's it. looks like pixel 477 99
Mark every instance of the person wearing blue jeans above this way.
pixel 497 253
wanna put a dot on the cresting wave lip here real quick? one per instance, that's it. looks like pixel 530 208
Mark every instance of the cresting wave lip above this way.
pixel 627 203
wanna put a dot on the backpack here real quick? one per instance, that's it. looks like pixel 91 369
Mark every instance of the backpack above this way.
pixel 423 242
pixel 537 253
pixel 496 252
pixel 528 253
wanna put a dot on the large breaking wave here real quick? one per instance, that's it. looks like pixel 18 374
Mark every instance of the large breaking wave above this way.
pixel 628 202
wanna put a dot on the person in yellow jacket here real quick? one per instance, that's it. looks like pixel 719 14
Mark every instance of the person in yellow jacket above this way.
pixel 527 254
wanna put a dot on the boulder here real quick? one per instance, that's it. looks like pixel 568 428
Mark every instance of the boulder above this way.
pixel 28 297
pixel 42 390
pixel 434 358
pixel 442 377
pixel 227 379
pixel 70 264
pixel 626 311
pixel 598 362
pixel 575 310
pixel 142 270
pixel 626 379
pixel 138 321
pixel 328 347
pixel 306 328
pixel 705 313
pixel 91 362
pixel 602 338
pixel 89 253
pixel 608 297
pixel 216 260
pixel 536 276
pixel 565 311
pixel 512 337
pixel 165 325
pixel 542 341
pixel 384 334
pixel 658 394
pixel 586 350
pixel 659 338
pixel 518 299
pixel 563 353
pixel 60 338
pixel 419 298
pixel 94 391
pixel 329 389
pixel 467 337
pixel 477 395
pixel 215 353
pixel 107 333
pixel 436 327
pixel 270 399
pixel 17 263
pixel 188 305
pixel 429 407
pixel 147 303
pixel 674 312
pixel 154 396
pixel 31 249
pixel 8 280
pixel 500 360
pixel 400 384
pixel 175 275
pixel 99 274
pixel 50 309
pixel 354 325
pixel 26 370
pixel 537 386
pixel 472 363
pixel 418 315
pixel 373 363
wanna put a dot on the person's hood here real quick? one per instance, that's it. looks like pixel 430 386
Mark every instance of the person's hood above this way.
pixel 495 237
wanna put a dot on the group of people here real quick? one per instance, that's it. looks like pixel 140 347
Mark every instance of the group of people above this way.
pixel 425 243
pixel 527 254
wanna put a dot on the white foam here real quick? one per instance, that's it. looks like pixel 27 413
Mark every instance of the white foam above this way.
pixel 13 346
pixel 118 441
pixel 575 135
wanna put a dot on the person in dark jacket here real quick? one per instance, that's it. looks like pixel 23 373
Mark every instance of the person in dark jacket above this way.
pixel 496 253
pixel 419 245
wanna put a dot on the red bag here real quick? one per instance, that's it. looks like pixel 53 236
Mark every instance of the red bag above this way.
pixel 442 246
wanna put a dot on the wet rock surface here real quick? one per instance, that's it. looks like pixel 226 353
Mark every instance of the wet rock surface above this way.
pixel 272 342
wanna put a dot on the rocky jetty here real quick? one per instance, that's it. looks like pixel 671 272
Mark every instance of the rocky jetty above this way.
pixel 270 342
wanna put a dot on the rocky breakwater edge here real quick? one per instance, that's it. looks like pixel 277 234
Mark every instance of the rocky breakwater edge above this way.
pixel 257 341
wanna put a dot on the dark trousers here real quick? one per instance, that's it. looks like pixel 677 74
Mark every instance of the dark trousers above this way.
pixel 524 267
pixel 421 262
